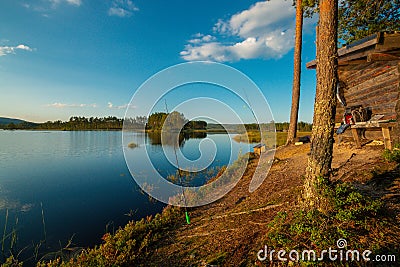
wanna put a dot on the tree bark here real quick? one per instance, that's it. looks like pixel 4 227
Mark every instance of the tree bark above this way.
pixel 319 162
pixel 292 132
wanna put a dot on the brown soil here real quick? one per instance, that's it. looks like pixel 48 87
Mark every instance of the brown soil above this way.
pixel 233 228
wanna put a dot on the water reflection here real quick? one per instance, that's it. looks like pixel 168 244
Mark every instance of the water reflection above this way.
pixel 168 138
pixel 14 205
pixel 82 180
pixel 195 135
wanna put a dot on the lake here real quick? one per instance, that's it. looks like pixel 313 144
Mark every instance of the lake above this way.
pixel 81 183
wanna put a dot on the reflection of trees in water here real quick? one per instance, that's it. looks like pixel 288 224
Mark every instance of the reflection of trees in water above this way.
pixel 194 135
pixel 171 138
pixel 194 177
pixel 166 138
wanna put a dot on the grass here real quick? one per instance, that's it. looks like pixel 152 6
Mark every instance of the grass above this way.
pixel 43 223
pixel 217 259
pixel 4 233
pixel 129 245
pixel 12 262
pixel 9 250
pixel 361 220
pixel 392 155
pixel 254 137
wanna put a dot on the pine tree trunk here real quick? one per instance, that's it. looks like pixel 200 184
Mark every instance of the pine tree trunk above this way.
pixel 292 132
pixel 319 162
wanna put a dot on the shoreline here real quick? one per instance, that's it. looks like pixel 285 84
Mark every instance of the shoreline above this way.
pixel 112 130
pixel 223 226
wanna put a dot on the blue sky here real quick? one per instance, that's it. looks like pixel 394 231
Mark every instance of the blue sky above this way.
pixel 62 58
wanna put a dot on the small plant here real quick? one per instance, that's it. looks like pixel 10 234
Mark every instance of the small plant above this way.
pixel 218 258
pixel 392 155
pixel 353 216
pixel 12 262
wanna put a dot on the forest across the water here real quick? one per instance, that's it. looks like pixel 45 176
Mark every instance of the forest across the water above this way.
pixel 154 122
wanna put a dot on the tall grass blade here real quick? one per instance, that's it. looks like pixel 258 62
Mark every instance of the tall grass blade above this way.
pixel 14 236
pixel 4 233
pixel 43 222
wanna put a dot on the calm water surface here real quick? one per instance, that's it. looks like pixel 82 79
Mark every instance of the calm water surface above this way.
pixel 82 182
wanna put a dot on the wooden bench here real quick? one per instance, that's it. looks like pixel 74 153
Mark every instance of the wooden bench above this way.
pixel 385 126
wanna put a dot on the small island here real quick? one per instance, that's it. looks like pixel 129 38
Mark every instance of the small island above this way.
pixel 132 145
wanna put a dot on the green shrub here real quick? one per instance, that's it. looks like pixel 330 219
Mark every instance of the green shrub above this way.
pixel 12 262
pixel 392 155
pixel 356 217
pixel 128 245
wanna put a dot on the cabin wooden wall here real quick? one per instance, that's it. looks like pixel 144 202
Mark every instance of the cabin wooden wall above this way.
pixel 373 85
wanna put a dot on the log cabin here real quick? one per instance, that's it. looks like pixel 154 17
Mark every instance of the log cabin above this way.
pixel 368 72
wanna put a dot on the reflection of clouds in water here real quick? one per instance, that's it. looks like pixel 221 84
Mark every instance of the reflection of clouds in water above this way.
pixel 6 204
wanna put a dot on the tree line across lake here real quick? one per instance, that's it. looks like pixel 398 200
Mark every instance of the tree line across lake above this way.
pixel 155 122
pixel 282 126
pixel 74 123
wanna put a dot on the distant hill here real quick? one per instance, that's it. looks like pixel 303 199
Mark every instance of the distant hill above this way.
pixel 10 120
pixel 5 123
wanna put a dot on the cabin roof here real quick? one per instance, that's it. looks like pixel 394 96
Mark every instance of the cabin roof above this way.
pixel 381 46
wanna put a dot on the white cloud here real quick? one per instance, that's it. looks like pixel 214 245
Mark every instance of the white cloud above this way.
pixel 200 38
pixel 55 3
pixel 119 12
pixel 206 51
pixel 122 106
pixel 111 106
pixel 4 50
pixel 122 8
pixel 74 2
pixel 24 47
pixel 44 7
pixel 265 30
pixel 63 105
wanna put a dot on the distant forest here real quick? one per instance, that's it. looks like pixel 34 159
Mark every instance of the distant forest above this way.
pixel 282 126
pixel 153 123
pixel 74 123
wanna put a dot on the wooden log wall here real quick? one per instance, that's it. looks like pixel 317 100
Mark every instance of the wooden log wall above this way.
pixel 374 85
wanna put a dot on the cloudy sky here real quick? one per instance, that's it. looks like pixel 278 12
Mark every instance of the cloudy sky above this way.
pixel 62 58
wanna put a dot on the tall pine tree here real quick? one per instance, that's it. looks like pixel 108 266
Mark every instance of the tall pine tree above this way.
pixel 319 162
pixel 292 132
